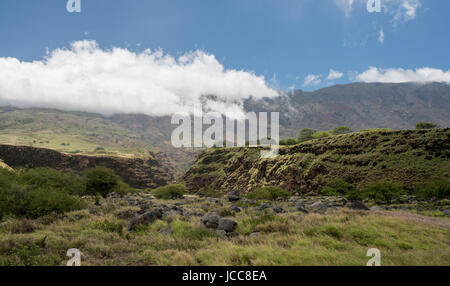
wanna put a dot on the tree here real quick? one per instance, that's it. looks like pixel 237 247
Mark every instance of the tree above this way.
pixel 425 125
pixel 101 180
pixel 341 130
pixel 305 134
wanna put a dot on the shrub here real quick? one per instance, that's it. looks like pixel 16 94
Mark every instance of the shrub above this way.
pixel 384 191
pixel 339 187
pixel 53 179
pixel 425 125
pixel 289 142
pixel 170 192
pixel 436 188
pixel 321 134
pixel 268 193
pixel 341 130
pixel 101 180
pixel 305 134
pixel 20 201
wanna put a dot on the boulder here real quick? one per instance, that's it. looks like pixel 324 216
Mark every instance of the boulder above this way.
pixel 358 205
pixel 211 220
pixel 278 209
pixel 227 225
pixel 263 207
pixel 301 207
pixel 375 208
pixel 144 219
pixel 234 196
pixel 446 212
pixel 235 209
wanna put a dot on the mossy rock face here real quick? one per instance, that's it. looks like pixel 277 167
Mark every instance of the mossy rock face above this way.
pixel 404 156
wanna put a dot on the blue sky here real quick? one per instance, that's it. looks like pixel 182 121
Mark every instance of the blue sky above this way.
pixel 282 40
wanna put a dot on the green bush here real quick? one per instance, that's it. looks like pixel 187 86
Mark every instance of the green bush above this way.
pixel 289 142
pixel 425 125
pixel 341 130
pixel 22 201
pixel 101 180
pixel 305 134
pixel 339 187
pixel 384 191
pixel 170 192
pixel 268 193
pixel 436 188
pixel 51 178
pixel 321 134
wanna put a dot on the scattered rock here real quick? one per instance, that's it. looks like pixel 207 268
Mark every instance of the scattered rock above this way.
pixel 318 206
pixel 227 225
pixel 235 209
pixel 253 234
pixel 234 196
pixel 211 220
pixel 263 207
pixel 222 233
pixel 278 209
pixel 301 207
pixel 232 234
pixel 147 218
pixel 375 208
pixel 358 205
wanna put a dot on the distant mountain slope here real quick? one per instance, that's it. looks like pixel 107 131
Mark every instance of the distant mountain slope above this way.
pixel 361 106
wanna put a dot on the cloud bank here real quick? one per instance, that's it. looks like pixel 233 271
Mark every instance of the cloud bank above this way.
pixel 399 75
pixel 85 77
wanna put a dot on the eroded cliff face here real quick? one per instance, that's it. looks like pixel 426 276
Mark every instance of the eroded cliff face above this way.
pixel 408 156
pixel 137 172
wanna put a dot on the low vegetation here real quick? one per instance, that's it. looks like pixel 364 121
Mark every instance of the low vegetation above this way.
pixel 170 192
pixel 268 193
pixel 33 193
pixel 262 238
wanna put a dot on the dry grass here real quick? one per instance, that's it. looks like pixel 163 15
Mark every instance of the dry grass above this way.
pixel 337 238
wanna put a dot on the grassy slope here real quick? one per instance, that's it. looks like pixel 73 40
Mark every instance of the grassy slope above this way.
pixel 408 157
pixel 69 132
pixel 338 238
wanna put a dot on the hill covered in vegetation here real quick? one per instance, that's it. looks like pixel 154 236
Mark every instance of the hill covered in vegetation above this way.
pixel 407 157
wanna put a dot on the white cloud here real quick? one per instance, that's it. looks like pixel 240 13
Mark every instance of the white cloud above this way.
pixel 402 10
pixel 381 36
pixel 398 75
pixel 312 79
pixel 334 75
pixel 87 78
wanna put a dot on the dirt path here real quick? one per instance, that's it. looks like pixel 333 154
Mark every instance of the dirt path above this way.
pixel 436 221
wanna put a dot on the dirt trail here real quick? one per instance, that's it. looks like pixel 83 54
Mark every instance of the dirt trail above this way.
pixel 436 221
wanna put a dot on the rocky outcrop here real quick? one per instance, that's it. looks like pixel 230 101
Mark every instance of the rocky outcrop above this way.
pixel 137 172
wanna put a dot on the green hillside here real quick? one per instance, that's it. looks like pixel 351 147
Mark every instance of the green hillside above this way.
pixel 407 157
